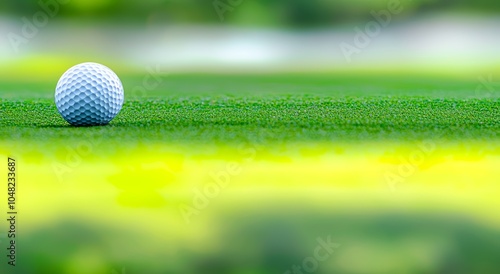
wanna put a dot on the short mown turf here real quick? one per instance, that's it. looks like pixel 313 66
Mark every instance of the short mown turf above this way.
pixel 269 109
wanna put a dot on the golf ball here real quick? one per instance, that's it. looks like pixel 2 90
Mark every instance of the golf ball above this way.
pixel 89 94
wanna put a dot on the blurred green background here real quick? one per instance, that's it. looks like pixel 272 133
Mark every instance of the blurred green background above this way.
pixel 118 211
pixel 426 37
pixel 269 13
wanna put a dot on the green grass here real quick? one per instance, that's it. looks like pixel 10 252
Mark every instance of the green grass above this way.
pixel 284 108
pixel 261 235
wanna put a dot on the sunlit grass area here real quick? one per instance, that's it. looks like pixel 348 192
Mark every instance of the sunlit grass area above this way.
pixel 212 208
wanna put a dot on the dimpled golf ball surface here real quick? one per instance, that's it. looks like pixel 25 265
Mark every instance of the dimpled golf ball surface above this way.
pixel 89 94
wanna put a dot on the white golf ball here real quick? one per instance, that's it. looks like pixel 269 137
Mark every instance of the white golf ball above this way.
pixel 89 94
